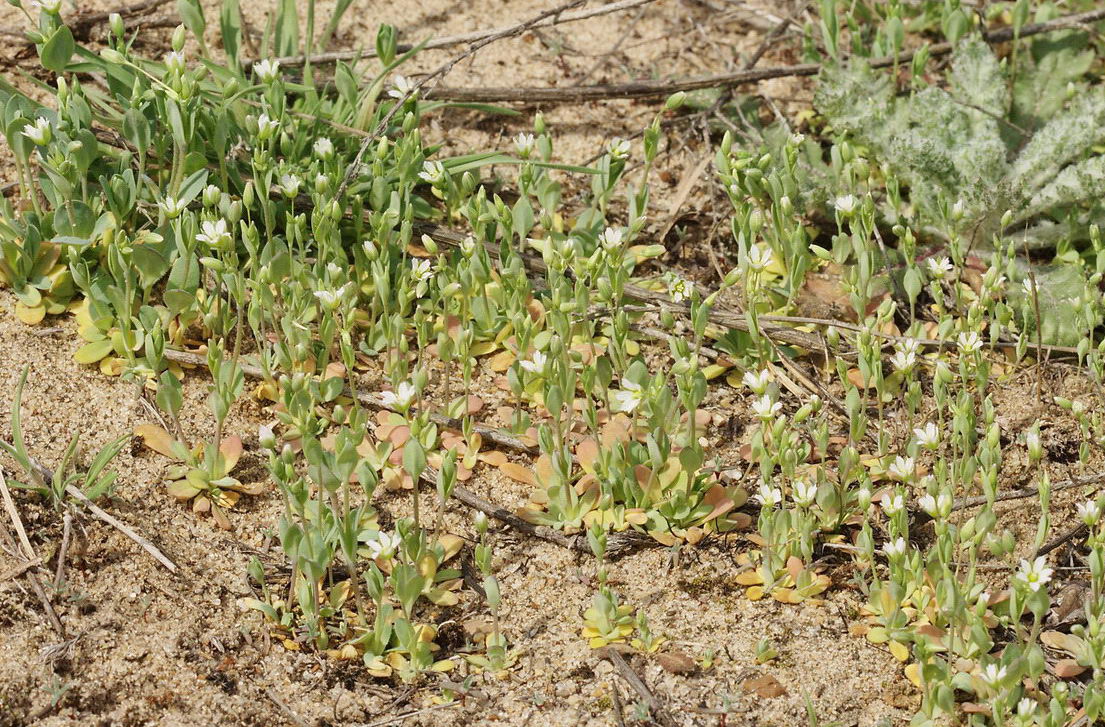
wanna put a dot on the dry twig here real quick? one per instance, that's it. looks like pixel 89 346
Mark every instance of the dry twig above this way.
pixel 663 89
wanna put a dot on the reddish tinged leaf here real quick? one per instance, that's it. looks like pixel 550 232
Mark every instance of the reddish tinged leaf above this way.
pixel 721 503
pixel 1068 668
pixel 156 438
pixel 231 450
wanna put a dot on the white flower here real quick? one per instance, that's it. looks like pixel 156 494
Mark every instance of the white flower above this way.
pixel 618 148
pixel 289 184
pixel 940 506
pixel 383 546
pixel 765 407
pixel 903 468
pixel 893 504
pixel 369 248
pixel 421 270
pixel 432 172
pixel 1029 287
pixel 172 207
pixel 1026 708
pixel 323 147
pixel 846 205
pixel 679 289
pixel 266 437
pixel 468 246
pixel 628 398
pixel 1089 512
pixel 969 342
pixel 928 436
pixel 401 399
pixel 769 496
pixel 266 127
pixel 757 382
pixel 1034 574
pixel 51 6
pixel 759 257
pixel 536 364
pixel 333 269
pixel 611 238
pixel 174 62
pixel 401 86
pixel 803 493
pixel 524 144
pixel 267 70
pixel 331 298
pixel 896 548
pixel 214 233
pixel 939 267
pixel 992 674
pixel 40 132
pixel 903 360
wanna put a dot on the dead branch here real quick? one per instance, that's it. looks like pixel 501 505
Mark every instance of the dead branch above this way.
pixel 29 555
pixel 453 40
pixel 662 89
pixel 625 671
pixel 122 527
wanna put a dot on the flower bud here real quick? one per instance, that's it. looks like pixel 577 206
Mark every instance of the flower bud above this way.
pixel 178 39
pixel 115 22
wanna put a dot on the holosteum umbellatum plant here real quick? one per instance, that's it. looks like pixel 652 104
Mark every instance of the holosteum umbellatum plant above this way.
pixel 222 213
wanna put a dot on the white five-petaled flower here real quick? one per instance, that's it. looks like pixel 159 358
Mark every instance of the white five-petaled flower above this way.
pixel 468 246
pixel 536 364
pixel 846 205
pixel 769 496
pixel 759 257
pixel 1089 512
pixel 323 147
pixel 627 398
pixel 893 504
pixel 289 185
pixel 331 298
pixel 267 70
pixel 903 360
pixel 895 548
pixel 679 289
pixel 214 233
pixel 383 546
pixel 172 207
pixel 432 172
pixel 927 436
pixel 939 267
pixel 174 62
pixel 421 270
pixel 611 238
pixel 524 144
pixel 40 132
pixel 399 399
pixel 903 468
pixel 401 86
pixel 618 148
pixel 765 407
pixel 993 674
pixel 803 493
pixel 969 342
pixel 1035 574
pixel 1026 708
pixel 757 382
pixel 1029 287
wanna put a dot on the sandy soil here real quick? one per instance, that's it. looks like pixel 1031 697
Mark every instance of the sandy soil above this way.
pixel 151 648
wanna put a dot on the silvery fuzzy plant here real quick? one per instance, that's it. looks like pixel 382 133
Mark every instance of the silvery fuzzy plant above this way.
pixel 1000 152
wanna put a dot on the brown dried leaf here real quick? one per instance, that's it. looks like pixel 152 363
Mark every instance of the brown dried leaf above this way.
pixel 765 686
pixel 518 473
pixel 676 662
